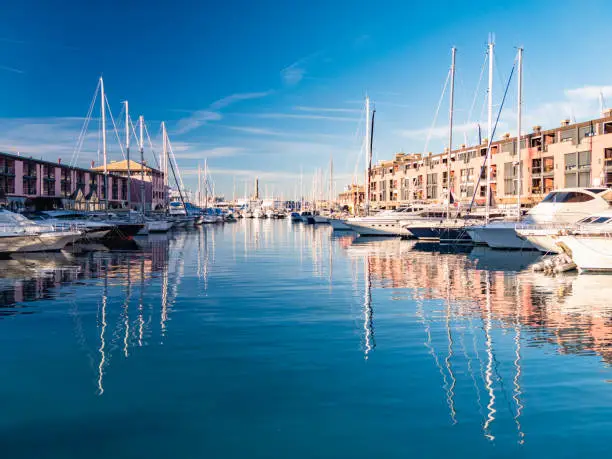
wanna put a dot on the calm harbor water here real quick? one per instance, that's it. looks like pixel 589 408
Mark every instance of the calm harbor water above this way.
pixel 267 339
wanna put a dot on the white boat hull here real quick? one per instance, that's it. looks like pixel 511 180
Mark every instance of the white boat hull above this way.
pixel 339 225
pixel 365 228
pixel 48 242
pixel 158 226
pixel 590 253
pixel 499 236
pixel 544 240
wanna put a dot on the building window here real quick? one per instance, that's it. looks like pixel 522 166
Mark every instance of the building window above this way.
pixel 510 178
pixel 432 186
pixel 567 135
pixel 578 169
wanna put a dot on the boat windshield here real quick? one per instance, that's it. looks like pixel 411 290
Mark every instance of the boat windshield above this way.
pixel 567 197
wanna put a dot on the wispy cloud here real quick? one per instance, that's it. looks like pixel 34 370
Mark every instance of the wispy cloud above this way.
pixel 195 120
pixel 305 117
pixel 578 104
pixel 199 118
pixel 229 100
pixel 267 175
pixel 257 131
pixel 294 73
pixel 589 92
pixel 187 151
pixel 326 109
pixel 11 69
pixel 437 132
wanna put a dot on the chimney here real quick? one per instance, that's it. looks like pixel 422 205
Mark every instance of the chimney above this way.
pixel 93 163
pixel 537 128
pixel 565 122
pixel 59 160
pixel 506 135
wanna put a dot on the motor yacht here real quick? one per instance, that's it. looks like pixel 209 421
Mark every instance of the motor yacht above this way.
pixel 558 210
pixel 589 242
pixel 73 220
pixel 386 223
pixel 20 234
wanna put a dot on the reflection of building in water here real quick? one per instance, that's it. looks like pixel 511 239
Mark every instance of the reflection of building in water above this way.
pixel 33 277
pixel 572 313
pixel 125 309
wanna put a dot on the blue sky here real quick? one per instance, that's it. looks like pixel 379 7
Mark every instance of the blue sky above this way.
pixel 271 88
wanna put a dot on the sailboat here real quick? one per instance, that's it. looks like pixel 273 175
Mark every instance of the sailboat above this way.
pixel 385 223
pixel 502 234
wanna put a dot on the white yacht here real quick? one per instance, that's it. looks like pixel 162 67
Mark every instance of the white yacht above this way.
pixel 589 242
pixel 386 223
pixel 71 220
pixel 557 210
pixel 338 224
pixel 20 234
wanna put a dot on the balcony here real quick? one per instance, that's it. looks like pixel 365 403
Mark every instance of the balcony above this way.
pixel 8 171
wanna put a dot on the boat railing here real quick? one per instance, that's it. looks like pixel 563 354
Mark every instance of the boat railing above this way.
pixel 542 226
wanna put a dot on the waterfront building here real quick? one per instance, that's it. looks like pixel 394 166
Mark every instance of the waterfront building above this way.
pixel 352 197
pixel 35 184
pixel 156 195
pixel 570 155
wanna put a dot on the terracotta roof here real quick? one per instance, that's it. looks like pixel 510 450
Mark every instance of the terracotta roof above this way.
pixel 121 166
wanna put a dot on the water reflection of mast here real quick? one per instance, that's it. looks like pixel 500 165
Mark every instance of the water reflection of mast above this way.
pixel 517 364
pixel 126 315
pixel 450 393
pixel 331 262
pixel 489 369
pixel 368 313
pixel 141 303
pixel 101 349
pixel 428 341
pixel 164 299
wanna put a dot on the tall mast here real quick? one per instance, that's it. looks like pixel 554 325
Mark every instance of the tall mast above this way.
pixel 103 102
pixel 164 163
pixel 518 130
pixel 368 158
pixel 489 128
pixel 450 132
pixel 127 153
pixel 164 153
pixel 199 186
pixel 205 183
pixel 331 180
pixel 142 173
pixel 301 189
